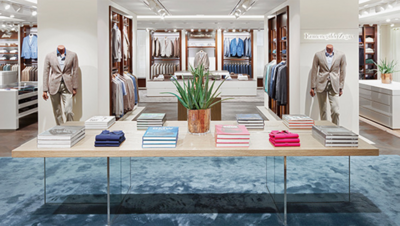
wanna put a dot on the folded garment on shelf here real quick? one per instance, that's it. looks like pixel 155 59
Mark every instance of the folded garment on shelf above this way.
pixel 107 142
pixel 274 51
pixel 369 50
pixel 284 38
pixel 106 145
pixel 289 140
pixel 369 61
pixel 284 134
pixel 284 144
pixel 107 135
pixel 284 51
pixel 369 39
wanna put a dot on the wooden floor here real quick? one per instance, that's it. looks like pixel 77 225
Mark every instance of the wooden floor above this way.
pixel 10 139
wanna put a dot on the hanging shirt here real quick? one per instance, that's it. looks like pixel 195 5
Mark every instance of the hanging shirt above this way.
pixel 329 58
pixel 61 59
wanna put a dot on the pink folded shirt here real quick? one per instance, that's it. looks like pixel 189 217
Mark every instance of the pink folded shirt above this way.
pixel 289 140
pixel 282 134
pixel 284 139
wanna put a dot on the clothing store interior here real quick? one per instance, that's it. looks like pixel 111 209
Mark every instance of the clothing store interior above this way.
pixel 211 112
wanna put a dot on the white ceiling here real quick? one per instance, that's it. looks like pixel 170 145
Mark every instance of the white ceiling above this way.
pixel 19 17
pixel 381 18
pixel 200 8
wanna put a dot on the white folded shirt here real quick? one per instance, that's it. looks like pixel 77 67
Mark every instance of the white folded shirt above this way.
pixel 3 51
pixel 369 40
pixel 13 51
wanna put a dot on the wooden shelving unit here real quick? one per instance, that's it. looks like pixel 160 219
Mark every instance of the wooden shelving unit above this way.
pixel 366 70
pixel 126 63
pixel 208 34
pixel 249 60
pixel 278 34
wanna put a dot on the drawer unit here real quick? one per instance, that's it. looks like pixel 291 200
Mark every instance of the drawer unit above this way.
pixel 380 102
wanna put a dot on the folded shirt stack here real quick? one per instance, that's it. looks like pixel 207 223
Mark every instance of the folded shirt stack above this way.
pixel 369 39
pixel 369 50
pixel 284 139
pixel 109 138
pixel 369 61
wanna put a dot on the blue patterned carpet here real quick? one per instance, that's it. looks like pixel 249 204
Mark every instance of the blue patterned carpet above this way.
pixel 201 191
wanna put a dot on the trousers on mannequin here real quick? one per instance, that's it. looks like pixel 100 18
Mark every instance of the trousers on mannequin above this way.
pixel 62 100
pixel 333 99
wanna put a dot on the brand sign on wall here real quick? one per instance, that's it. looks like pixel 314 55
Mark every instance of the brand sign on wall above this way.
pixel 329 36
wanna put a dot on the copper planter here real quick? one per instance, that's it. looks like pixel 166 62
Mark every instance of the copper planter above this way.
pixel 199 121
pixel 386 78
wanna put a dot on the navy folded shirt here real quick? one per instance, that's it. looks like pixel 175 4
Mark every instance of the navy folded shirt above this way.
pixel 106 135
pixel 109 139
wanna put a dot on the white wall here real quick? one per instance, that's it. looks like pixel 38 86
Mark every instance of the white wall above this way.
pixel 220 43
pixel 87 34
pixel 312 16
pixel 339 20
pixel 142 54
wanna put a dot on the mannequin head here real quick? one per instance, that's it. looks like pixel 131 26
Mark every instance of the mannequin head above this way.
pixel 61 48
pixel 329 48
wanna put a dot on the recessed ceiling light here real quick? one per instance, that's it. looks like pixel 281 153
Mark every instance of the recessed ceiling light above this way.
pixel 34 12
pixel 192 30
pixel 388 20
pixel 6 5
pixel 392 25
pixel 234 30
pixel 12 15
pixel 175 30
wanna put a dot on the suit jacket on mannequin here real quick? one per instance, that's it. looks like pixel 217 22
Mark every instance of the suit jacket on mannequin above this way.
pixel 320 71
pixel 53 74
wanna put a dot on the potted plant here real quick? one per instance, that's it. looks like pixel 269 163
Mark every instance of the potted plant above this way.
pixel 386 69
pixel 197 95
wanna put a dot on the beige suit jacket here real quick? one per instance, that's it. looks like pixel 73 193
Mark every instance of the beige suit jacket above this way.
pixel 52 72
pixel 201 58
pixel 320 71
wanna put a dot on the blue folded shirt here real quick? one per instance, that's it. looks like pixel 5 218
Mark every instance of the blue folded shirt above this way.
pixel 106 135
pixel 108 142
pixel 107 145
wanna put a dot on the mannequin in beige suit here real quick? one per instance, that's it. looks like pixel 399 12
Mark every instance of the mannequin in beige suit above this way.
pixel 327 79
pixel 60 81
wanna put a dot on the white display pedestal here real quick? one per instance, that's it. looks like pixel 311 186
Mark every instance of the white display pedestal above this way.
pixel 232 87
pixel 8 77
pixel 11 113
pixel 380 102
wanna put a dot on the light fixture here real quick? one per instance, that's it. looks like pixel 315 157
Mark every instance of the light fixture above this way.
pixel 192 30
pixel 388 20
pixel 17 8
pixel 199 30
pixel 13 28
pixel 147 29
pixel 175 30
pixel 379 8
pixel 34 12
pixel 12 16
pixel 392 25
pixel 3 25
pixel 388 6
pixel 30 24
pixel 248 30
pixel 234 30
pixel 206 30
pixel 157 7
pixel 6 5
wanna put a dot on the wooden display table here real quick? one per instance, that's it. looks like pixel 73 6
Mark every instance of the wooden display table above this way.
pixel 194 146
